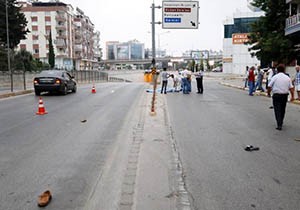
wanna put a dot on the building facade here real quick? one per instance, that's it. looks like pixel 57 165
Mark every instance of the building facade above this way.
pixel 123 54
pixel 236 55
pixel 72 35
pixel 292 28
pixel 132 50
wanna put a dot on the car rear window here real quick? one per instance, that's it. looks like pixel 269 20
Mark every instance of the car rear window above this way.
pixel 50 73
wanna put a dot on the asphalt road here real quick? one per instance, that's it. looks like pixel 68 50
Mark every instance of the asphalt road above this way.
pixel 66 150
pixel 212 130
pixel 79 150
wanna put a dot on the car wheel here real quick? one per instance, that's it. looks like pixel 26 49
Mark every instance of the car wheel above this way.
pixel 37 93
pixel 74 89
pixel 65 91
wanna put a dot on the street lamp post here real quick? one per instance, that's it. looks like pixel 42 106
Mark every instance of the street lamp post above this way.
pixel 158 42
pixel 8 49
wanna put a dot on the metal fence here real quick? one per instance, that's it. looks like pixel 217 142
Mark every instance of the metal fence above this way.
pixel 23 82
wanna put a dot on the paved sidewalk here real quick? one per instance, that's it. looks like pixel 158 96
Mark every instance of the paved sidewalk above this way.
pixel 8 93
pixel 239 82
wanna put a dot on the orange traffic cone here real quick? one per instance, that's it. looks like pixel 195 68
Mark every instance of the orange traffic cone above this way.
pixel 93 89
pixel 41 110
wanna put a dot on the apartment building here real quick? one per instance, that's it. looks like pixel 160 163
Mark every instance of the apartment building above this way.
pixel 85 42
pixel 72 35
pixel 292 28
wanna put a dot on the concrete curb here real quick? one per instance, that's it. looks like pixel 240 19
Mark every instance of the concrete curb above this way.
pixel 22 92
pixel 256 93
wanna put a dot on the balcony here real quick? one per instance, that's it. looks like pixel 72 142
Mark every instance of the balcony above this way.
pixel 292 24
pixel 60 43
pixel 61 18
pixel 62 53
pixel 61 27
pixel 78 48
pixel 78 41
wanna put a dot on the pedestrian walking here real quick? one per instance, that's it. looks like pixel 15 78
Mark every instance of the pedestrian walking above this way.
pixel 260 77
pixel 269 76
pixel 296 82
pixel 280 85
pixel 189 79
pixel 199 80
pixel 246 76
pixel 251 80
pixel 164 78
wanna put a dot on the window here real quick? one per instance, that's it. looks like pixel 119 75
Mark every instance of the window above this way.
pixel 34 28
pixel 294 9
pixel 241 25
pixel 34 19
pixel 47 18
pixel 35 37
pixel 23 46
pixel 36 51
pixel 136 51
pixel 228 31
pixel 48 28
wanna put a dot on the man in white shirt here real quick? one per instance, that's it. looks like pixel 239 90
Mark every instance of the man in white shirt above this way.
pixel 176 82
pixel 280 85
pixel 164 78
pixel 186 74
pixel 199 79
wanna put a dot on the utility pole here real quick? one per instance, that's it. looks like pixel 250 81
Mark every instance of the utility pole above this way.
pixel 8 49
pixel 154 56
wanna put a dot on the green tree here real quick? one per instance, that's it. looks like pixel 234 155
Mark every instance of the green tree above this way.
pixel 201 65
pixel 23 60
pixel 267 39
pixel 51 55
pixel 3 58
pixel 16 27
pixel 17 24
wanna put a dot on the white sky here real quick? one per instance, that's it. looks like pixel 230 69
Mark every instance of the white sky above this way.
pixel 124 20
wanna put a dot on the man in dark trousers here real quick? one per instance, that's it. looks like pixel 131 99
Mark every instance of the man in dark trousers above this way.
pixel 280 85
pixel 164 78
pixel 199 79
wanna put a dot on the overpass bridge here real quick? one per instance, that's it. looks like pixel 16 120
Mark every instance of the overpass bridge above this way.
pixel 172 59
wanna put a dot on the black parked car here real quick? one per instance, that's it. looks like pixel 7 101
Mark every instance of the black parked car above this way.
pixel 54 81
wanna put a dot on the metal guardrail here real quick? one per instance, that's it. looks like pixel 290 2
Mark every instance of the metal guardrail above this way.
pixel 19 77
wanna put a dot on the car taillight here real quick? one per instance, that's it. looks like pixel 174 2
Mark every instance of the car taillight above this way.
pixel 57 81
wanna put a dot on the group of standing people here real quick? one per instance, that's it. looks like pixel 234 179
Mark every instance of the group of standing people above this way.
pixel 279 83
pixel 254 79
pixel 182 81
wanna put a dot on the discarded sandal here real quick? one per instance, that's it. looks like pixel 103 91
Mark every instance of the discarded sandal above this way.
pixel 44 198
pixel 250 148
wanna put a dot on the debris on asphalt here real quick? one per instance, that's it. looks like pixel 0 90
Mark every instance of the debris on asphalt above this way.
pixel 83 121
pixel 250 148
pixel 44 199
